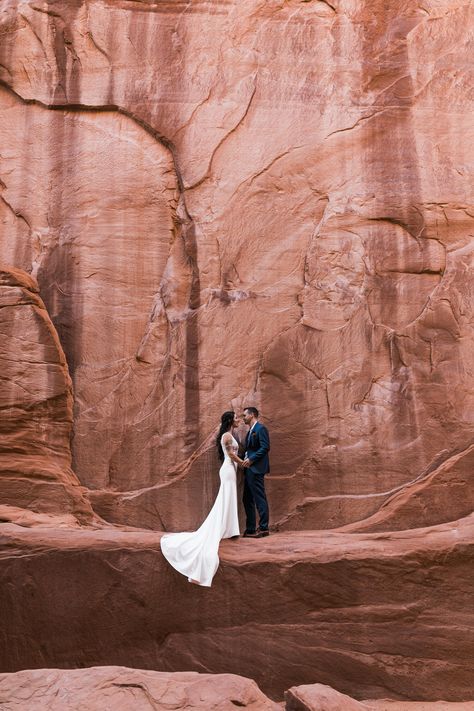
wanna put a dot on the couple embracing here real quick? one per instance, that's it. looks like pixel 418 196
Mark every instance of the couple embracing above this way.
pixel 196 554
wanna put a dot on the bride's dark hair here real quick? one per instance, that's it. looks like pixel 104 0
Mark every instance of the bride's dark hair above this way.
pixel 226 422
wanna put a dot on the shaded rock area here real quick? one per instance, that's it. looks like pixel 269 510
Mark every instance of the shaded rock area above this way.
pixel 265 202
pixel 374 615
pixel 35 412
pixel 121 689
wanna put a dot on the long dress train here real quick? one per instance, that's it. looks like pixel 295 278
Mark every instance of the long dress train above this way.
pixel 195 554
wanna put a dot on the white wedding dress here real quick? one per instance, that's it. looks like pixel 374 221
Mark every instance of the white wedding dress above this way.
pixel 196 554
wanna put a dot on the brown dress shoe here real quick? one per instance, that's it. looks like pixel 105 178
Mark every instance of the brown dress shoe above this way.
pixel 262 534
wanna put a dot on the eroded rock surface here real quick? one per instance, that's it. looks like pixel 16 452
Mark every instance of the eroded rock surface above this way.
pixel 36 479
pixel 374 615
pixel 317 697
pixel 123 689
pixel 264 202
pixel 250 202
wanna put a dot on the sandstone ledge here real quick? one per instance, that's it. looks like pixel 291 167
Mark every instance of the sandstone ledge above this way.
pixel 123 689
pixel 318 697
pixel 373 615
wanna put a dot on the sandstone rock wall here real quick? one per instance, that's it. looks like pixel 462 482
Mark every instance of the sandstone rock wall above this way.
pixel 262 202
pixel 35 412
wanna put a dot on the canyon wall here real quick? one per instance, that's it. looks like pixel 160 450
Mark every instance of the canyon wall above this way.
pixel 211 204
pixel 37 484
pixel 259 202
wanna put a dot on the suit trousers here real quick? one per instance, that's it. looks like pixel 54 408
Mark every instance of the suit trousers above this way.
pixel 254 496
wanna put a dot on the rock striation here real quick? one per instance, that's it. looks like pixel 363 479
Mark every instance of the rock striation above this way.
pixel 37 482
pixel 374 615
pixel 209 205
pixel 266 202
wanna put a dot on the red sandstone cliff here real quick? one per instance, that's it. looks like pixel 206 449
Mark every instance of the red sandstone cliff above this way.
pixel 235 202
pixel 36 413
pixel 226 203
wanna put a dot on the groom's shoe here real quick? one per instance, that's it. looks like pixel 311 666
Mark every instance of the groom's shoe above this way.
pixel 261 533
pixel 250 534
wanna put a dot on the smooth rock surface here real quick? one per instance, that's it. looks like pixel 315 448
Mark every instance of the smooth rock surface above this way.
pixel 122 689
pixel 35 411
pixel 391 705
pixel 317 697
pixel 374 615
pixel 263 202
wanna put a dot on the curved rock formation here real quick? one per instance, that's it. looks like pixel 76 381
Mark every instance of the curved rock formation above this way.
pixel 229 203
pixel 36 413
pixel 438 495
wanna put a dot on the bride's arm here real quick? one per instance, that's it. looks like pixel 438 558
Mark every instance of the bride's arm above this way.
pixel 229 448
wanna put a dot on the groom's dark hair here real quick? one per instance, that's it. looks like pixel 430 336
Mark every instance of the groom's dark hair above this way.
pixel 253 411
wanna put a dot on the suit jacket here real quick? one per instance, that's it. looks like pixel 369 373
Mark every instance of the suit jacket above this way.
pixel 257 446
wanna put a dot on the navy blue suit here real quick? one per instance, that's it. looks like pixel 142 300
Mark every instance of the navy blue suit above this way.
pixel 257 446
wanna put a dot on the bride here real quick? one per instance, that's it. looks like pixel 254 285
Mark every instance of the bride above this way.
pixel 195 554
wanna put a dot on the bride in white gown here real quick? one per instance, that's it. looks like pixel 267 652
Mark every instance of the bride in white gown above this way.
pixel 196 554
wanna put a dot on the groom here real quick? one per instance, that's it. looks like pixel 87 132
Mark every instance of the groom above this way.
pixel 256 464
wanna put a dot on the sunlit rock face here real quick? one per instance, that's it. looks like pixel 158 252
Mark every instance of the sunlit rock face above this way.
pixel 317 697
pixel 37 483
pixel 120 688
pixel 249 203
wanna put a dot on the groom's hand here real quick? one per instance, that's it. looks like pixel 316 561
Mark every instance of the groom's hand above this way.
pixel 246 463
